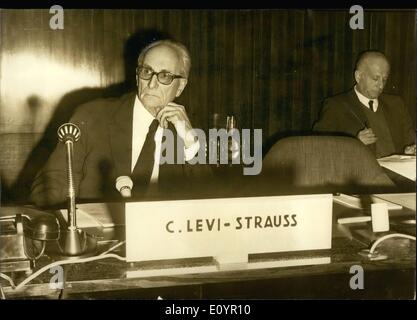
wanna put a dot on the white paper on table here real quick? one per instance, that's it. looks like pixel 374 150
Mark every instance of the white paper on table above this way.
pixel 84 220
pixel 103 215
pixel 354 201
pixel 404 165
pixel 407 200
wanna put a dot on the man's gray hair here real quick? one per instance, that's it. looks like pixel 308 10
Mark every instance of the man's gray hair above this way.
pixel 179 48
pixel 366 55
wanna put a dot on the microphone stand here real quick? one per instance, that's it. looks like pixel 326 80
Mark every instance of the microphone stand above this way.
pixel 77 242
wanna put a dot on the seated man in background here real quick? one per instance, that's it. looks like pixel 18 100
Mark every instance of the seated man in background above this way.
pixel 378 120
pixel 122 137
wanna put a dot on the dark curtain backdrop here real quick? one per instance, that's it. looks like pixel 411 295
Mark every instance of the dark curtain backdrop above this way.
pixel 270 68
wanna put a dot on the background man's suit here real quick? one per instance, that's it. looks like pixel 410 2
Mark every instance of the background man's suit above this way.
pixel 338 117
pixel 104 153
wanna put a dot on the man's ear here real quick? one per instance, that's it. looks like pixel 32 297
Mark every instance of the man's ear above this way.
pixel 183 83
pixel 137 78
pixel 357 75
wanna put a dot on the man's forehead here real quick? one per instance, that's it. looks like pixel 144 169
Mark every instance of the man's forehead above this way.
pixel 377 63
pixel 161 58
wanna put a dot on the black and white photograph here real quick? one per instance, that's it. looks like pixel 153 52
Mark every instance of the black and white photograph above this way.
pixel 228 155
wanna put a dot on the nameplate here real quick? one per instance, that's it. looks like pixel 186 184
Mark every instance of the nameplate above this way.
pixel 227 229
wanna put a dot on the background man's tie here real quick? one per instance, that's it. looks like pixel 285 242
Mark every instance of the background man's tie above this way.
pixel 371 105
pixel 142 171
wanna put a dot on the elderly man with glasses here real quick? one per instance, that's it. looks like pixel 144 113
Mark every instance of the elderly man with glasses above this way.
pixel 122 138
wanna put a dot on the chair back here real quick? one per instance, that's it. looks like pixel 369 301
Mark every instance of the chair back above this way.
pixel 324 164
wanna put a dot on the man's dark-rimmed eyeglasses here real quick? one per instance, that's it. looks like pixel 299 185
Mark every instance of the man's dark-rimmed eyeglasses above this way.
pixel 164 77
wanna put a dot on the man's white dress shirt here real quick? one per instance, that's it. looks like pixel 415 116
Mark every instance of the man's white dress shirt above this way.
pixel 365 101
pixel 142 119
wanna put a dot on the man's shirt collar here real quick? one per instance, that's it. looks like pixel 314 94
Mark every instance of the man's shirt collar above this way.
pixel 365 101
pixel 144 116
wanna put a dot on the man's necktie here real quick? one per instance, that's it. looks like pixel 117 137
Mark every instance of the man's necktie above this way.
pixel 371 105
pixel 142 171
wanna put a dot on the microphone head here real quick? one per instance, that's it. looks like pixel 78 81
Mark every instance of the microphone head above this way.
pixel 124 185
pixel 69 131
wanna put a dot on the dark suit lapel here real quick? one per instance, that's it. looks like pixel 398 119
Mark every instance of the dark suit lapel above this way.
pixel 120 129
pixel 357 107
pixel 389 119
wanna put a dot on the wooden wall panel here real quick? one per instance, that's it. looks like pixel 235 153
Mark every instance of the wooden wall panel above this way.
pixel 271 68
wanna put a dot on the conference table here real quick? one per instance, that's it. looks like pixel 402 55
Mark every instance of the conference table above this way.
pixel 391 277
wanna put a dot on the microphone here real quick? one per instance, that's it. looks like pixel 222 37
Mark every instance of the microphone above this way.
pixel 68 133
pixel 124 185
pixel 77 243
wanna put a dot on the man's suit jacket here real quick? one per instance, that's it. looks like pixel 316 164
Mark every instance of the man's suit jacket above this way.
pixel 344 114
pixel 102 154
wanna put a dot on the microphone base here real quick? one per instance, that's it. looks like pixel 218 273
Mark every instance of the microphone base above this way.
pixel 75 244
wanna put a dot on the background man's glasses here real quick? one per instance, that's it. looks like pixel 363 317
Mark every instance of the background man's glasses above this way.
pixel 163 77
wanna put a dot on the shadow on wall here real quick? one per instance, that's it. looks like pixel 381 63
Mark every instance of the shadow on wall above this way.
pixel 19 192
